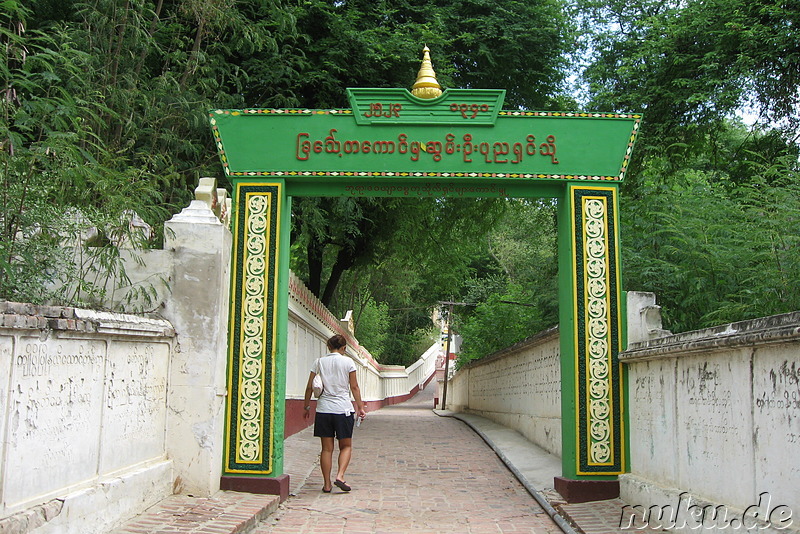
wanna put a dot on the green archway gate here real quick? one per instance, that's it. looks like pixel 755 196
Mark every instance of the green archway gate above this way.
pixel 391 143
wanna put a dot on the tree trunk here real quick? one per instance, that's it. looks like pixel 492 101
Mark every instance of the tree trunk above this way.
pixel 314 257
pixel 344 260
pixel 192 60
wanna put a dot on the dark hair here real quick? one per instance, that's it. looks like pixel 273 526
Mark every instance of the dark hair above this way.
pixel 336 342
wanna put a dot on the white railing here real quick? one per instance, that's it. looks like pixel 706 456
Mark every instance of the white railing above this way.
pixel 311 324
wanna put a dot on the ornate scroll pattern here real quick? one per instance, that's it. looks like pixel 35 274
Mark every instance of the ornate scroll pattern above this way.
pixel 249 440
pixel 597 330
pixel 598 386
pixel 251 371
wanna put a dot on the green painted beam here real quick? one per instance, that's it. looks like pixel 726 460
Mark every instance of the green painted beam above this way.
pixel 330 145
pixel 420 188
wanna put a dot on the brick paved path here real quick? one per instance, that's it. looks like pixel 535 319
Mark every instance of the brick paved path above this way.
pixel 412 472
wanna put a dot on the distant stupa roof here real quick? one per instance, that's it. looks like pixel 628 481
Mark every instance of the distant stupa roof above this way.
pixel 426 85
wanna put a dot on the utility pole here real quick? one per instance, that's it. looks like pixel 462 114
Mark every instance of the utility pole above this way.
pixel 447 347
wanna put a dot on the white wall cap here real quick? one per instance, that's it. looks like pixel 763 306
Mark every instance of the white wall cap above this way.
pixel 124 323
pixel 196 212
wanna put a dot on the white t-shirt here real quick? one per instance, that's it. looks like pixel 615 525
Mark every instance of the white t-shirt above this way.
pixel 335 369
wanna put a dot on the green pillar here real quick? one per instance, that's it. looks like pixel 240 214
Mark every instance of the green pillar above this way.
pixel 591 331
pixel 253 458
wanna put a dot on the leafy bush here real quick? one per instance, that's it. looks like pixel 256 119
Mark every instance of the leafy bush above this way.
pixel 500 321
pixel 372 327
pixel 716 252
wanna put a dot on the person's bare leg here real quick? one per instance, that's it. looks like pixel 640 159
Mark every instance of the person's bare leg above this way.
pixel 345 453
pixel 326 462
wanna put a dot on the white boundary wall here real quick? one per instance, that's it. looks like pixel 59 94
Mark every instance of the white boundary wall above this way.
pixel 102 415
pixel 715 416
pixel 83 398
pixel 519 387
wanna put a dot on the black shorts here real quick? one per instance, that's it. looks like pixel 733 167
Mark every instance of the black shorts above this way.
pixel 334 425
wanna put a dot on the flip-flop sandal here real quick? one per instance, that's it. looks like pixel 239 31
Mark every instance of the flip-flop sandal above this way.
pixel 341 485
pixel 326 491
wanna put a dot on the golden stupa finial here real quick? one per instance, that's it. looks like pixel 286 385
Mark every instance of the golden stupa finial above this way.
pixel 426 85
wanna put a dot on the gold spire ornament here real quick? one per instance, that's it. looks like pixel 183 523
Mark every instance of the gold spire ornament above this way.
pixel 426 85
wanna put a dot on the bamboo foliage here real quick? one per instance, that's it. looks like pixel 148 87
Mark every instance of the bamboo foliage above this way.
pixel 103 117
pixel 716 252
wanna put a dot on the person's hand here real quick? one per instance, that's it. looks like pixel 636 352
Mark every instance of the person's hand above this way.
pixel 306 414
pixel 362 413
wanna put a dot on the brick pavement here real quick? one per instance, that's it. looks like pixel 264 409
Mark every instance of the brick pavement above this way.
pixel 601 517
pixel 411 472
pixel 226 512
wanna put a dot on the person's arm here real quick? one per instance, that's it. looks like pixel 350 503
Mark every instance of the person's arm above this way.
pixel 357 395
pixel 307 399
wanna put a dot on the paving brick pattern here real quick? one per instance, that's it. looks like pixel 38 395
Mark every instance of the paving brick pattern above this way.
pixel 226 512
pixel 602 517
pixel 412 472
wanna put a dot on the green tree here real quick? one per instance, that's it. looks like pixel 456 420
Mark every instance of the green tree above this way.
pixel 104 114
pixel 59 179
pixel 515 294
pixel 707 217
pixel 372 326
pixel 337 234
pixel 503 319
pixel 714 251
pixel 690 65
pixel 696 61
pixel 518 46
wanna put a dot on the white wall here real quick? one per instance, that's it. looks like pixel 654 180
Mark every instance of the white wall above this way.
pixel 716 414
pixel 519 387
pixel 83 417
